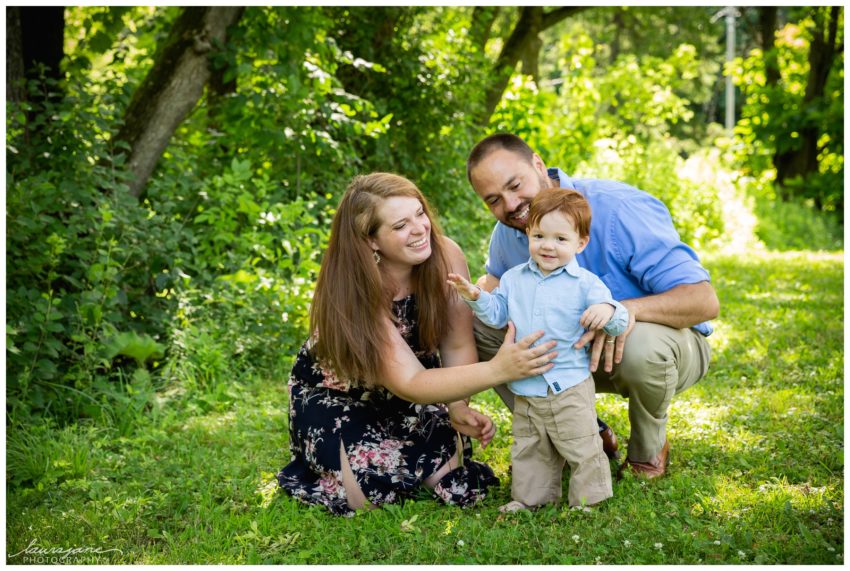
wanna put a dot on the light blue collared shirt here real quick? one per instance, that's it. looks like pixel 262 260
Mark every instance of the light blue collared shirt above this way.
pixel 553 303
pixel 634 248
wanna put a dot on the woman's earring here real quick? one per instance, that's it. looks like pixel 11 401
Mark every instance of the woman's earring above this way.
pixel 377 257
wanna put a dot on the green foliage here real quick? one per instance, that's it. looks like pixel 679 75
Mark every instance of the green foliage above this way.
pixel 659 169
pixel 84 258
pixel 775 114
pixel 792 224
pixel 796 225
pixel 131 344
pixel 289 115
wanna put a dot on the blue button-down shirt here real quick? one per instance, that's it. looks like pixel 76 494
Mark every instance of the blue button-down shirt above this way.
pixel 553 303
pixel 634 248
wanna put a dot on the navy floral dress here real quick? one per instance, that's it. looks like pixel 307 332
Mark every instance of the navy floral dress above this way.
pixel 392 444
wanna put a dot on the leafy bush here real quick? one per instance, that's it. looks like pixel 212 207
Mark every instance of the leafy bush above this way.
pixel 792 224
pixel 775 114
pixel 85 261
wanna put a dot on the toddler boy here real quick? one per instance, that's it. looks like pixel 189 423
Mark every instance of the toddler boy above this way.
pixel 554 417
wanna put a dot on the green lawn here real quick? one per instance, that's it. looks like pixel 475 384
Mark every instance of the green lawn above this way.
pixel 756 473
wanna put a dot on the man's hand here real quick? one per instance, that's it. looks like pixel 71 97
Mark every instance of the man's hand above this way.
pixel 471 422
pixel 462 286
pixel 604 344
pixel 487 283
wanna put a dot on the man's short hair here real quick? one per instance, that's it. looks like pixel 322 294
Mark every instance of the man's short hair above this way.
pixel 569 202
pixel 507 141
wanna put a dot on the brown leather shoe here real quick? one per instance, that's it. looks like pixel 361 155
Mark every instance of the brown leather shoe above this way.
pixel 652 469
pixel 609 443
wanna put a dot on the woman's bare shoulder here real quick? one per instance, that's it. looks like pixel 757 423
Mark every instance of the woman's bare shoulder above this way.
pixel 454 253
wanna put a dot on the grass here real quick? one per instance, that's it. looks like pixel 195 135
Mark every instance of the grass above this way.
pixel 756 473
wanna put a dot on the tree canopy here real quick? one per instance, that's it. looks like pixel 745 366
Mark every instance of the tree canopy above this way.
pixel 169 169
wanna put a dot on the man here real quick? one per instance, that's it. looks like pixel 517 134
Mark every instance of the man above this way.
pixel 637 253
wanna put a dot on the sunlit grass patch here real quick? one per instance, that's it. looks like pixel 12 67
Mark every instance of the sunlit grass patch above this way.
pixel 756 474
pixel 775 502
pixel 211 422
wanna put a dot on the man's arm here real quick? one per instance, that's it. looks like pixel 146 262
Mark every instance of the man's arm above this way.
pixel 488 282
pixel 683 306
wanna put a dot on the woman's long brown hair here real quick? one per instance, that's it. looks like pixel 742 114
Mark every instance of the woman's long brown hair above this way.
pixel 353 297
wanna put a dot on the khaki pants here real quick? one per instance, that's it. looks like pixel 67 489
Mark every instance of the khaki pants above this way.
pixel 547 432
pixel 658 362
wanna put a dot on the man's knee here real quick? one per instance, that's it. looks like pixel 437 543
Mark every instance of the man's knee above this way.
pixel 648 345
pixel 488 339
pixel 658 362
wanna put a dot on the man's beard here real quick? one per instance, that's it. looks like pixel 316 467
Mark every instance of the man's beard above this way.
pixel 544 183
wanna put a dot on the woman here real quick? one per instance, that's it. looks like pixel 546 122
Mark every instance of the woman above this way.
pixel 384 322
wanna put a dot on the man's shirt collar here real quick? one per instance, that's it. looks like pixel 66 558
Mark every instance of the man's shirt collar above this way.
pixel 564 181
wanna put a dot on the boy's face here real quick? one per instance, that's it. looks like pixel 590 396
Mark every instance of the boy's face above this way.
pixel 554 242
pixel 508 183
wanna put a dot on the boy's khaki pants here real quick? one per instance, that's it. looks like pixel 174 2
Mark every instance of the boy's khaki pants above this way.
pixel 550 430
pixel 658 362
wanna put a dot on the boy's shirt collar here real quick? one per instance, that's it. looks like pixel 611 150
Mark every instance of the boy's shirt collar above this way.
pixel 571 268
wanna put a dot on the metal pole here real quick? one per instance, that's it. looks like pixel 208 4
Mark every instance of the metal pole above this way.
pixel 730 13
pixel 730 55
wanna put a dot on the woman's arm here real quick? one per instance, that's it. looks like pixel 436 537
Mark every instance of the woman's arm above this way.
pixel 462 376
pixel 404 376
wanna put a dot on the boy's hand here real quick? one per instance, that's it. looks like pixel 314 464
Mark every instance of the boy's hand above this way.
pixel 465 289
pixel 597 315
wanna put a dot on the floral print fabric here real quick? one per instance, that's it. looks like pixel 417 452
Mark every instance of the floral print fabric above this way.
pixel 391 444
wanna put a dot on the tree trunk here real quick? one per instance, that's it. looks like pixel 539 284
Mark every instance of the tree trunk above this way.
pixel 15 92
pixel 803 159
pixel 172 87
pixel 767 29
pixel 531 58
pixel 34 49
pixel 219 87
pixel 481 26
pixel 619 30
pixel 43 39
pixel 532 21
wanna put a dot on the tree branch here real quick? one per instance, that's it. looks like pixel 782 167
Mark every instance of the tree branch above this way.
pixel 562 13
pixel 172 87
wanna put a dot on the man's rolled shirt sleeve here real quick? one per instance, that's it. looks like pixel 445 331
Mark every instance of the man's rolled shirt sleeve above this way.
pixel 649 247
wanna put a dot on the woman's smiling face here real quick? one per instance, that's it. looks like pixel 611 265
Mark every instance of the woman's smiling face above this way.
pixel 404 235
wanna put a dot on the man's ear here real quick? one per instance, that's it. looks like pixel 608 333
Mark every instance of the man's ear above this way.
pixel 582 244
pixel 538 164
